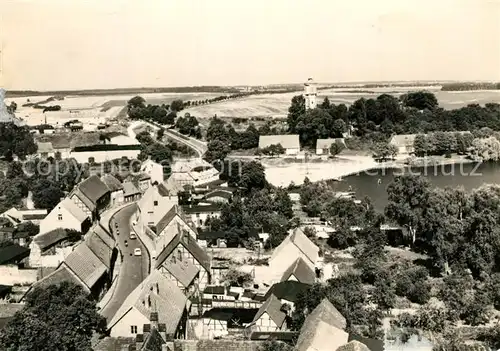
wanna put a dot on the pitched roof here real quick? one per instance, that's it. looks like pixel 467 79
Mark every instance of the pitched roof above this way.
pixel 321 337
pixel 301 271
pixel 288 290
pixel 184 271
pixel 288 141
pixel 48 239
pixel 93 188
pixel 190 244
pixel 326 143
pixel 74 209
pixel 85 264
pixel 219 193
pixel 272 306
pixel 153 341
pixel 167 218
pixel 302 243
pixel 44 147
pixel 217 345
pixel 13 253
pixel 326 312
pixel 172 186
pixel 111 182
pixel 130 189
pixel 372 344
pixel 99 247
pixel 114 344
pixel 215 290
pixel 155 294
pixel 162 190
pixel 61 274
pixel 353 346
pixel 182 166
pixel 215 207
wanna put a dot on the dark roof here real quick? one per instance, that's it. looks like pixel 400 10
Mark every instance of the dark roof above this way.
pixel 7 229
pixel 272 306
pixel 93 188
pixel 153 341
pixel 85 264
pixel 13 254
pixel 287 290
pixel 216 290
pixel 130 189
pixel 206 235
pixel 301 271
pixel 20 235
pixel 61 274
pixel 48 239
pixel 202 208
pixel 114 344
pixel 111 182
pixel 4 290
pixel 167 218
pixel 184 271
pixel 219 193
pixel 372 344
pixel 267 335
pixel 33 216
pixel 162 190
pixel 100 248
pixel 190 244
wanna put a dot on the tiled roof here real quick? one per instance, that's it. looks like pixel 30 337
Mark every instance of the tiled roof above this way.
pixel 167 218
pixel 99 247
pixel 321 337
pixel 403 139
pixel 172 186
pixel 130 189
pixel 111 182
pixel 61 274
pixel 93 188
pixel 155 294
pixel 44 147
pixel 162 190
pixel 305 244
pixel 215 207
pixel 80 195
pixel 288 290
pixel 48 239
pixel 272 306
pixel 190 244
pixel 114 344
pixel 217 345
pixel 104 235
pixel 288 141
pixel 184 271
pixel 353 346
pixel 301 271
pixel 214 290
pixel 153 341
pixel 219 193
pixel 13 253
pixel 326 312
pixel 85 264
pixel 74 209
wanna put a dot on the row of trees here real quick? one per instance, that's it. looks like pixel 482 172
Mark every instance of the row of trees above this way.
pixel 157 151
pixel 441 143
pixel 162 114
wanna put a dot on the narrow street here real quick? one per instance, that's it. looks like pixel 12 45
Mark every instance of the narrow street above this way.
pixel 134 269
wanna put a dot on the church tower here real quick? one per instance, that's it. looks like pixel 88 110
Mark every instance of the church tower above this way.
pixel 310 94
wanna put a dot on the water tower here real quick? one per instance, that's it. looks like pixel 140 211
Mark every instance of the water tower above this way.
pixel 310 94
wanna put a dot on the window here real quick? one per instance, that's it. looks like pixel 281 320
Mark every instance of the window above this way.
pixel 155 203
pixel 179 254
pixel 59 217
pixel 133 329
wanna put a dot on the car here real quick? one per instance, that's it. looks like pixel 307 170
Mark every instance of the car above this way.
pixel 117 231
pixel 116 224
pixel 137 252
pixel 132 236
pixel 126 243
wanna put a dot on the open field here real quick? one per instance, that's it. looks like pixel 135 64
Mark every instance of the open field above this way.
pixel 276 105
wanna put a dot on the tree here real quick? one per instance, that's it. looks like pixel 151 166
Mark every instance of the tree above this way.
pixel 384 151
pixel 234 277
pixel 160 133
pixel 253 176
pixel 407 196
pixel 339 127
pixel 16 140
pixel 177 105
pixel 136 102
pixel 217 150
pixel 274 345
pixel 217 130
pixel 283 203
pixel 420 100
pixel 57 317
pixel 12 107
pixel 273 149
pixel 335 149
pixel 296 109
pixel 46 194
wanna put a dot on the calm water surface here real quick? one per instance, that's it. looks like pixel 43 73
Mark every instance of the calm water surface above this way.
pixel 373 183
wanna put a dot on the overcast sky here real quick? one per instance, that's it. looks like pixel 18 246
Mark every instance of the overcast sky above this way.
pixel 62 44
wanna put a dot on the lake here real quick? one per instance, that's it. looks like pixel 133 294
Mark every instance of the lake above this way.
pixel 373 183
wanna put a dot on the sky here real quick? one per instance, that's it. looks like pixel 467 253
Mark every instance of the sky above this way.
pixel 86 44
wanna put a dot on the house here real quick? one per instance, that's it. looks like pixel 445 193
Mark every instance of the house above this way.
pixel 153 207
pixel 270 317
pixel 323 329
pixel 194 173
pixel 290 142
pixel 16 216
pixel 404 143
pixel 214 292
pixel 45 150
pixel 103 246
pixel 323 145
pixel 219 196
pixel 184 247
pixel 299 271
pixel 156 300
pixel 215 323
pixel 295 245
pixel 144 181
pixel 199 214
pixel 130 192
pixel 49 249
pixel 91 195
pixel 13 254
pixel 212 239
pixel 183 273
pixel 288 292
pixel 153 170
pixel 67 215
pixel 173 222
pixel 116 189
pixel 21 238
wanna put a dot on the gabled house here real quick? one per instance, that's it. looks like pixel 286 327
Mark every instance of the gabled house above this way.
pixel 13 254
pixel 103 246
pixel 49 249
pixel 153 207
pixel 199 214
pixel 183 247
pixel 295 245
pixel 153 170
pixel 156 300
pixel 91 195
pixel 323 329
pixel 16 216
pixel 45 150
pixel 130 192
pixel 299 271
pixel 323 145
pixel 219 196
pixel 288 292
pixel 270 317
pixel 67 215
pixel 183 273
pixel 115 187
pixel 171 223
pixel 290 142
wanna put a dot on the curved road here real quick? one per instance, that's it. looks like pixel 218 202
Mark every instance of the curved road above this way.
pixel 133 269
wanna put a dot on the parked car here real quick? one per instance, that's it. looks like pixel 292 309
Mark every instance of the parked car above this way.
pixel 126 243
pixel 132 236
pixel 137 252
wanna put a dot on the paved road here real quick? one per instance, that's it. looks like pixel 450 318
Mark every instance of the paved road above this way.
pixel 134 269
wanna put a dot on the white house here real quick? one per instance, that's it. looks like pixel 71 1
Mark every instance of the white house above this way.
pixel 116 189
pixel 153 207
pixel 198 214
pixel 157 300
pixel 66 215
pixel 404 143
pixel 270 317
pixel 323 145
pixel 16 216
pixel 45 149
pixel 290 142
pixel 154 170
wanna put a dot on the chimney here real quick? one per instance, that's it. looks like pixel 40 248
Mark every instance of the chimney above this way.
pixel 154 319
pixel 149 301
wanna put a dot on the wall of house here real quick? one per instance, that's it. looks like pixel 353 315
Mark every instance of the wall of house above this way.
pixel 185 290
pixel 116 198
pixel 199 219
pixel 292 151
pixel 155 171
pixel 101 156
pixel 181 253
pixel 80 204
pixel 265 323
pixel 36 259
pixel 214 327
pixel 173 223
pixel 11 274
pixel 59 217
pixel 132 318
